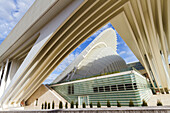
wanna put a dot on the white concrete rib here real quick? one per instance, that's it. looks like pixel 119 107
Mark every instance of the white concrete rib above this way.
pixel 81 18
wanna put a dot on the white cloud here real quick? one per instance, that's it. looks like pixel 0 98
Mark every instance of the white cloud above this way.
pixel 131 59
pixel 10 13
pixel 122 52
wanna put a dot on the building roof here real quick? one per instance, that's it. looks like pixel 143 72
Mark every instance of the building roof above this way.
pixel 99 57
pixel 136 65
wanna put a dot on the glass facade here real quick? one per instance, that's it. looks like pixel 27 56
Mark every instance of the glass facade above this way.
pixel 122 88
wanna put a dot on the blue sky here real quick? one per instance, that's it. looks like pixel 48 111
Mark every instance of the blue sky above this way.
pixel 11 12
pixel 122 49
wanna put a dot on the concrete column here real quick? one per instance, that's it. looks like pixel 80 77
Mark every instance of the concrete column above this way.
pixel 3 82
pixel 15 64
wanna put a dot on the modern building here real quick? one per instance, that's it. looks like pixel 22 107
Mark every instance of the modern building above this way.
pixel 138 66
pixel 122 87
pixel 52 29
pixel 42 95
pixel 100 74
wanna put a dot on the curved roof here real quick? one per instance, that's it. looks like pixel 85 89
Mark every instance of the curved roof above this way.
pixel 98 57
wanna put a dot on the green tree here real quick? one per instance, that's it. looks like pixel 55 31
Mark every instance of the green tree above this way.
pixel 84 105
pixel 144 103
pixel 60 105
pixel 48 105
pixel 53 104
pixel 66 105
pixel 108 103
pixel 42 106
pixel 72 104
pixel 131 104
pixel 118 104
pixel 167 91
pixel 98 104
pixel 45 106
pixel 77 104
pixel 159 103
pixel 91 105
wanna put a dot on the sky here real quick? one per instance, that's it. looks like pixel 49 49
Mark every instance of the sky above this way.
pixel 122 49
pixel 12 11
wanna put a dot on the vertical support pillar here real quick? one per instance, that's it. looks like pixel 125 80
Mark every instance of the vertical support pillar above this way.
pixel 13 69
pixel 3 83
pixel 1 73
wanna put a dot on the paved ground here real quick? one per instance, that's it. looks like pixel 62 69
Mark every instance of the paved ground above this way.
pixel 156 109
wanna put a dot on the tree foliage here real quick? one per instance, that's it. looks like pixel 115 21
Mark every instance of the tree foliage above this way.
pixel 84 105
pixel 108 103
pixel 72 104
pixel 118 104
pixel 144 103
pixel 91 105
pixel 60 105
pixel 98 104
pixel 131 104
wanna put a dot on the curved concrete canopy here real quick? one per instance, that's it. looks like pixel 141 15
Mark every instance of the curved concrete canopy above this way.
pixel 95 59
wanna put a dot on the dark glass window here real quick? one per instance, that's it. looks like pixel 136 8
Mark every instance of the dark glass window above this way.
pixel 69 89
pixel 135 85
pixel 121 87
pixel 129 86
pixel 113 88
pixel 36 102
pixel 107 88
pixel 101 89
pixel 72 89
pixel 95 89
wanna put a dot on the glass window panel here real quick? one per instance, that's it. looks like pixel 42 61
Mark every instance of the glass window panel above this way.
pixel 95 89
pixel 121 87
pixel 113 88
pixel 101 89
pixel 107 88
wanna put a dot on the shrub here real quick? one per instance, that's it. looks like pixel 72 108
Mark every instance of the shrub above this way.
pixel 162 91
pixel 77 104
pixel 84 105
pixel 131 103
pixel 159 103
pixel 118 104
pixel 91 105
pixel 42 106
pixel 144 103
pixel 60 105
pixel 66 105
pixel 53 104
pixel 166 90
pixel 72 104
pixel 98 104
pixel 108 104
pixel 48 105
pixel 45 106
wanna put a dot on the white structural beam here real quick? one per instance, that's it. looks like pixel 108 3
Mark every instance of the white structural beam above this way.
pixel 52 29
pixel 145 18
pixel 4 79
pixel 1 73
